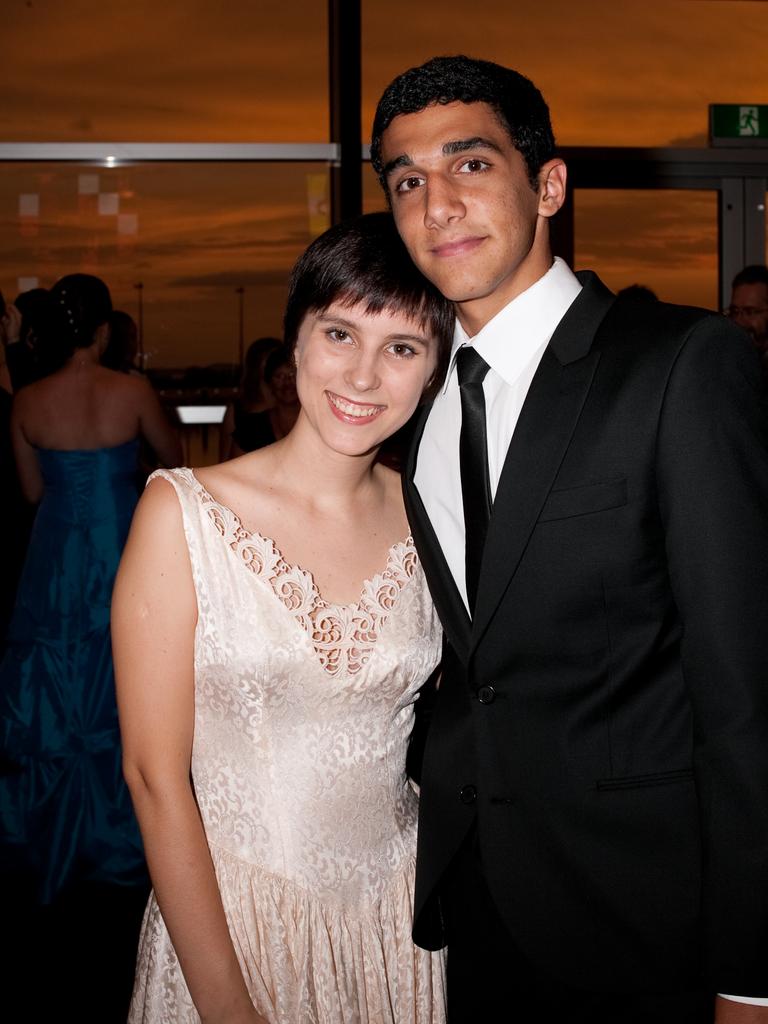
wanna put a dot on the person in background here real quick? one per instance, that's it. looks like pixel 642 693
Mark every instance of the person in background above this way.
pixel 75 435
pixel 15 514
pixel 123 345
pixel 27 355
pixel 638 293
pixel 66 822
pixel 25 329
pixel 5 376
pixel 272 629
pixel 254 395
pixel 749 306
pixel 258 429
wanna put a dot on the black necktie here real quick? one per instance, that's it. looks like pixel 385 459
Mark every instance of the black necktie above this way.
pixel 473 462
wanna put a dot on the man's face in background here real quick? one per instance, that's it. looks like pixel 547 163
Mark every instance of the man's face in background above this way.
pixel 749 309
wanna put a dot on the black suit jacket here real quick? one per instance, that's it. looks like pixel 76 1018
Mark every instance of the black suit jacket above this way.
pixel 604 718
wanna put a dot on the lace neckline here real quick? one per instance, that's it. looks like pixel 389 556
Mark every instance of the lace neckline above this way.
pixel 343 635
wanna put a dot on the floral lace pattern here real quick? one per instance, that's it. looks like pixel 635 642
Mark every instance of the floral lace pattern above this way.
pixel 343 635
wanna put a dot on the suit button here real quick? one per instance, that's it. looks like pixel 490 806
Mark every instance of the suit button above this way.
pixel 486 695
pixel 467 794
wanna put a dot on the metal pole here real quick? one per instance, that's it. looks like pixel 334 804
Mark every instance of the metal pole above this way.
pixel 344 70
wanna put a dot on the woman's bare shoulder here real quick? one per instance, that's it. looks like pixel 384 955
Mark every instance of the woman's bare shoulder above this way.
pixel 244 484
pixel 159 501
pixel 131 385
pixel 30 394
pixel 157 528
pixel 249 470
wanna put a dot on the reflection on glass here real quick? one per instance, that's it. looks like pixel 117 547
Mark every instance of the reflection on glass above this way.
pixel 664 239
pixel 199 254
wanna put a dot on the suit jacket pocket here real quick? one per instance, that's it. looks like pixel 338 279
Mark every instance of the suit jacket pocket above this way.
pixel 640 781
pixel 580 501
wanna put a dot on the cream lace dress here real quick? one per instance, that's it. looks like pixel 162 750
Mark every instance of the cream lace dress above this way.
pixel 302 716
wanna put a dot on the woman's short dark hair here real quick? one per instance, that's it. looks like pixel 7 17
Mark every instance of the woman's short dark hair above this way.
pixel 517 102
pixel 81 303
pixel 364 262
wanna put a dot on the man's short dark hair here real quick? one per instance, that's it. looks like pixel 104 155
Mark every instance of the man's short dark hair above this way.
pixel 517 102
pixel 757 273
pixel 364 262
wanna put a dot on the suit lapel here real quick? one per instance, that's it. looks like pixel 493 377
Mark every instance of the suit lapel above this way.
pixel 448 601
pixel 545 427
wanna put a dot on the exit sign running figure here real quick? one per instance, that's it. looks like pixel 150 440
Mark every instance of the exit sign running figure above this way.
pixel 738 124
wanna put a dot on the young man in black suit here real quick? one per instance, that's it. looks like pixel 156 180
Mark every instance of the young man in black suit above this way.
pixel 588 495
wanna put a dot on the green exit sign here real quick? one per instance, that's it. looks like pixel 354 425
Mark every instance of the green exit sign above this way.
pixel 738 124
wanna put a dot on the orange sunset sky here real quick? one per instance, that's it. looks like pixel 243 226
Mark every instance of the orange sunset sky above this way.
pixel 204 71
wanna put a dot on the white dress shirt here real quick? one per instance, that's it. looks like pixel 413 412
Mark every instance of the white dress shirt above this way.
pixel 512 344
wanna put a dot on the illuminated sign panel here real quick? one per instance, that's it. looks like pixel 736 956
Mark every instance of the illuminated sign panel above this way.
pixel 738 124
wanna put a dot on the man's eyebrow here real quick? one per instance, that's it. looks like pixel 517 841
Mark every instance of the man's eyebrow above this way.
pixel 462 145
pixel 400 161
pixel 448 149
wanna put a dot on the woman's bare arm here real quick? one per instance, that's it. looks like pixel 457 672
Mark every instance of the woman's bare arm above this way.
pixel 154 614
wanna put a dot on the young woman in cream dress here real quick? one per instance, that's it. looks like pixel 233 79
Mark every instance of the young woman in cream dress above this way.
pixel 272 628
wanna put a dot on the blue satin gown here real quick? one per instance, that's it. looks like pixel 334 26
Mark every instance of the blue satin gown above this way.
pixel 65 813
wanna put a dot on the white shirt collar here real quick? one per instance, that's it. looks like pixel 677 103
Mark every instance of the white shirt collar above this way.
pixel 509 341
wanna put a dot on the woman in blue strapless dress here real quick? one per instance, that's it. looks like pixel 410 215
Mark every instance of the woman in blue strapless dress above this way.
pixel 65 813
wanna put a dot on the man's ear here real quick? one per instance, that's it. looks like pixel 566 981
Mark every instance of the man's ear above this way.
pixel 552 177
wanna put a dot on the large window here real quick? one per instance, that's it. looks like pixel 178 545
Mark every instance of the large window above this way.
pixel 634 73
pixel 200 251
pixel 663 239
pixel 211 243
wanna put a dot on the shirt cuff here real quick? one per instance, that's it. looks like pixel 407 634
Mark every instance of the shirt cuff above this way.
pixel 752 1000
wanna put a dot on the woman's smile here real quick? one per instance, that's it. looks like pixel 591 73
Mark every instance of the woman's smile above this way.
pixel 353 412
